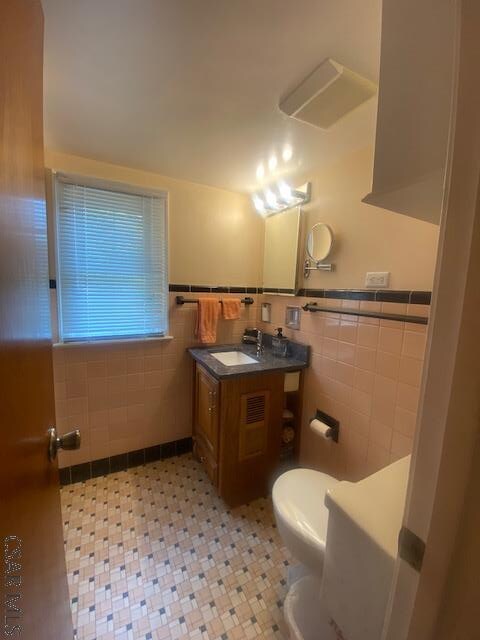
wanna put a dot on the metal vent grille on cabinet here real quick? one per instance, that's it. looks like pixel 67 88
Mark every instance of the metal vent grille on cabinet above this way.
pixel 255 409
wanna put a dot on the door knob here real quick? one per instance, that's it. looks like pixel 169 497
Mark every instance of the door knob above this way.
pixel 70 440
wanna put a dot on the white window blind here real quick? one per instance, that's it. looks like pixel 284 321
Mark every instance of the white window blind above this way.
pixel 111 262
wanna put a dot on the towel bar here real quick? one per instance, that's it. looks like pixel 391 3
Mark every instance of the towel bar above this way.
pixel 182 300
pixel 313 307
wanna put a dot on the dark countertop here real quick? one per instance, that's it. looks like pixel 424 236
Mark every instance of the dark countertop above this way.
pixel 298 358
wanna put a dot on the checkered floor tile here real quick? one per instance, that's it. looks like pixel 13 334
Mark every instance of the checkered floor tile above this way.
pixel 152 553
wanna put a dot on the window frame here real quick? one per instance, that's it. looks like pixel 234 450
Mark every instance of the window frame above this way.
pixel 116 187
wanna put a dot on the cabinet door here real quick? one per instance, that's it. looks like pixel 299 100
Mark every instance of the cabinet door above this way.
pixel 206 414
pixel 251 424
pixel 209 464
pixel 414 107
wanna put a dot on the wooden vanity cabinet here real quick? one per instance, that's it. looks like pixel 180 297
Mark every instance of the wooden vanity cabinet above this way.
pixel 206 421
pixel 237 431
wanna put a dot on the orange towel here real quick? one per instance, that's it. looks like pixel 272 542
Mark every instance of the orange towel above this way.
pixel 231 308
pixel 207 318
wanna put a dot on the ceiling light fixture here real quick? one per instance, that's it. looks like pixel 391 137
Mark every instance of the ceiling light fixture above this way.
pixel 281 197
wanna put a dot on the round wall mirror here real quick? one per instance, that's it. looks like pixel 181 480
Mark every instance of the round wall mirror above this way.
pixel 319 242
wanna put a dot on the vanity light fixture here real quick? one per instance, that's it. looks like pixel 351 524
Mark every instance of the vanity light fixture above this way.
pixel 280 197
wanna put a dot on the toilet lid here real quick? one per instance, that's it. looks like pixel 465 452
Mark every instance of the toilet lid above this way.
pixel 298 497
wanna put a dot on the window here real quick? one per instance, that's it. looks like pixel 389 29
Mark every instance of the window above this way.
pixel 111 261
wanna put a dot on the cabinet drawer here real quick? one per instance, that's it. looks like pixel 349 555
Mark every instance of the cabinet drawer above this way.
pixel 209 464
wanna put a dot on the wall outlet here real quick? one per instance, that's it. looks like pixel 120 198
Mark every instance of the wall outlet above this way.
pixel 377 279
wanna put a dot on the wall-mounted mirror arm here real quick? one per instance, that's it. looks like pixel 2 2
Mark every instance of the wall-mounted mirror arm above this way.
pixel 317 266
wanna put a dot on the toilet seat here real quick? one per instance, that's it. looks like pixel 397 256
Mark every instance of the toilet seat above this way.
pixel 302 518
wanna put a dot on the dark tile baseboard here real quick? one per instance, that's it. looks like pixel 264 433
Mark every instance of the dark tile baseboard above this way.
pixel 104 466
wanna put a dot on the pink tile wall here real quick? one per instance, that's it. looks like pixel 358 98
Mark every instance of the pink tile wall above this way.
pixel 129 395
pixel 366 373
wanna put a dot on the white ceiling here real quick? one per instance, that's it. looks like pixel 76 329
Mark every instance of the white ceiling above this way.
pixel 190 88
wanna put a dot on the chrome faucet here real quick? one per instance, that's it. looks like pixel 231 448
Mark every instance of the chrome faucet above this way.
pixel 259 343
pixel 254 336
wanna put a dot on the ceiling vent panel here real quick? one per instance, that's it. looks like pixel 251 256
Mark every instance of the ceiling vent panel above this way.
pixel 328 94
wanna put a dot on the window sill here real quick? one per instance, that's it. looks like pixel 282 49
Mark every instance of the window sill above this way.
pixel 83 343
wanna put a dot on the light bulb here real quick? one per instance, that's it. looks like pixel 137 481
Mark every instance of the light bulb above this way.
pixel 287 153
pixel 285 191
pixel 258 204
pixel 272 162
pixel 271 199
pixel 260 172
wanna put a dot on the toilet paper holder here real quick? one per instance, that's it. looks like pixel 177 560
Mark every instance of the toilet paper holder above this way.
pixel 331 422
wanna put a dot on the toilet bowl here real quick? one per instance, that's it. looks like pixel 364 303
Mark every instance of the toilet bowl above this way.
pixel 346 591
pixel 302 518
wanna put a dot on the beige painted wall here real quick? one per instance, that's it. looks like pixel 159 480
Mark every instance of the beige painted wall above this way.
pixel 215 237
pixel 367 238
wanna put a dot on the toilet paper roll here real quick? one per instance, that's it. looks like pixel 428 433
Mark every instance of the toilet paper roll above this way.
pixel 321 429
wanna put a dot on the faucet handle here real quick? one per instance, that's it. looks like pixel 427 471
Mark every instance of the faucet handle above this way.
pixel 250 335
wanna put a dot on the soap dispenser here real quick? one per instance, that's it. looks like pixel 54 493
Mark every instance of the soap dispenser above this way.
pixel 279 344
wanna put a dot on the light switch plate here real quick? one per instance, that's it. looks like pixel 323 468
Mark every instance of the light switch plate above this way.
pixel 377 279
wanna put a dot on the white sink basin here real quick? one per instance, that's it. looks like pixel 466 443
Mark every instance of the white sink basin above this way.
pixel 233 358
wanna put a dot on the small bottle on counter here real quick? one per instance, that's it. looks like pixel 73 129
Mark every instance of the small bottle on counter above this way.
pixel 280 344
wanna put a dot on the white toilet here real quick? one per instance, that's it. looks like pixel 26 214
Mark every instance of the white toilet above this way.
pixel 343 587
pixel 302 517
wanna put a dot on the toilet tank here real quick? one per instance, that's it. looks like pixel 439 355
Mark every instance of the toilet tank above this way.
pixel 362 541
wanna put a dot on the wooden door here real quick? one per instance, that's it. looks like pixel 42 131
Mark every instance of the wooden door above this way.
pixel 33 585
pixel 206 411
